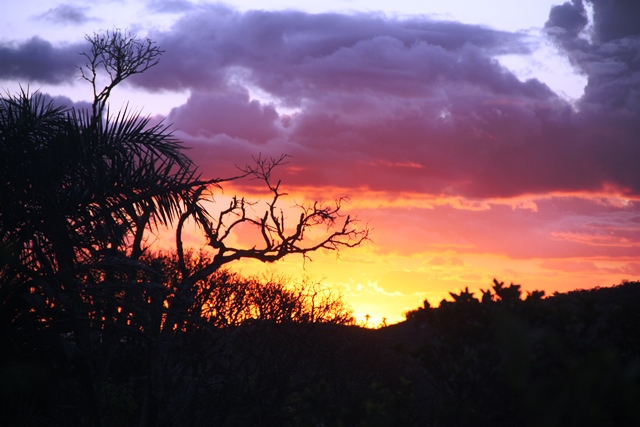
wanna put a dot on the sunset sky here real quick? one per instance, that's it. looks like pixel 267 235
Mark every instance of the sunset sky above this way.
pixel 476 139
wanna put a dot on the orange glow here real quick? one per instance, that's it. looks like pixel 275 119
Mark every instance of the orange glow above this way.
pixel 472 151
pixel 424 247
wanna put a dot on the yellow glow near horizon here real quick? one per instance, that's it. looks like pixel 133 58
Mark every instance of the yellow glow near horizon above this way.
pixel 410 259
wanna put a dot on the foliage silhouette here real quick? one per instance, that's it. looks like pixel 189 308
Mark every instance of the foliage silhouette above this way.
pixel 97 329
pixel 563 360
pixel 79 288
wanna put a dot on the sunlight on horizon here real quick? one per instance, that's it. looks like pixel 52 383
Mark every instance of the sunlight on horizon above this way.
pixel 401 267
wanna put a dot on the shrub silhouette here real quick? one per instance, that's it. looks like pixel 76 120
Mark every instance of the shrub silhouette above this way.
pixel 97 329
pixel 80 292
pixel 568 359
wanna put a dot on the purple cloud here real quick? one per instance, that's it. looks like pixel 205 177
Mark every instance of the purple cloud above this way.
pixel 67 14
pixel 38 60
pixel 231 113
pixel 398 105
pixel 608 56
pixel 170 6
pixel 282 51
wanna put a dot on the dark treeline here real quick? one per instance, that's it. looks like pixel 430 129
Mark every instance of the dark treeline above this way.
pixel 569 359
pixel 97 329
pixel 204 361
pixel 572 359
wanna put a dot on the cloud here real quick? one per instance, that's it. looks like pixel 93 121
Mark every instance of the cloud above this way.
pixel 65 102
pixel 629 269
pixel 371 92
pixel 562 226
pixel 67 14
pixel 38 60
pixel 569 17
pixel 170 6
pixel 606 54
pixel 353 98
pixel 614 20
pixel 231 113
pixel 282 51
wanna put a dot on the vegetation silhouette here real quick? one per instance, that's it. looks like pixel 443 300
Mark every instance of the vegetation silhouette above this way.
pixel 570 359
pixel 98 329
pixel 78 282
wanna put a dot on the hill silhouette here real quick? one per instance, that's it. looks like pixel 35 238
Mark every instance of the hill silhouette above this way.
pixel 568 359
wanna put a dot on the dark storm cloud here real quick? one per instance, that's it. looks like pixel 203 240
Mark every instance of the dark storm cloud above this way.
pixel 570 17
pixel 616 19
pixel 608 53
pixel 67 14
pixel 38 60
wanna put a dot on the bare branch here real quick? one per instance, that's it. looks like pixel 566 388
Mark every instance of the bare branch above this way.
pixel 116 55
pixel 278 238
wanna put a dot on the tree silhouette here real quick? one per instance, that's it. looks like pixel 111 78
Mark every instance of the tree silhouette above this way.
pixel 115 55
pixel 464 296
pixel 83 191
pixel 226 299
pixel 507 294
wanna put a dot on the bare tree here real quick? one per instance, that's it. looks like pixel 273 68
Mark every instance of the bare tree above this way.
pixel 85 188
pixel 279 237
pixel 115 55
pixel 118 55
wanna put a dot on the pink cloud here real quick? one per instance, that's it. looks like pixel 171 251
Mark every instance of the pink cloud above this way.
pixel 369 91
pixel 231 113
pixel 549 232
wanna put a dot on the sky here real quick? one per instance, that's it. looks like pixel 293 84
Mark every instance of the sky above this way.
pixel 478 140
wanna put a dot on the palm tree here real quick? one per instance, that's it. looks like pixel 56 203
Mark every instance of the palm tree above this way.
pixel 82 189
pixel 75 191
